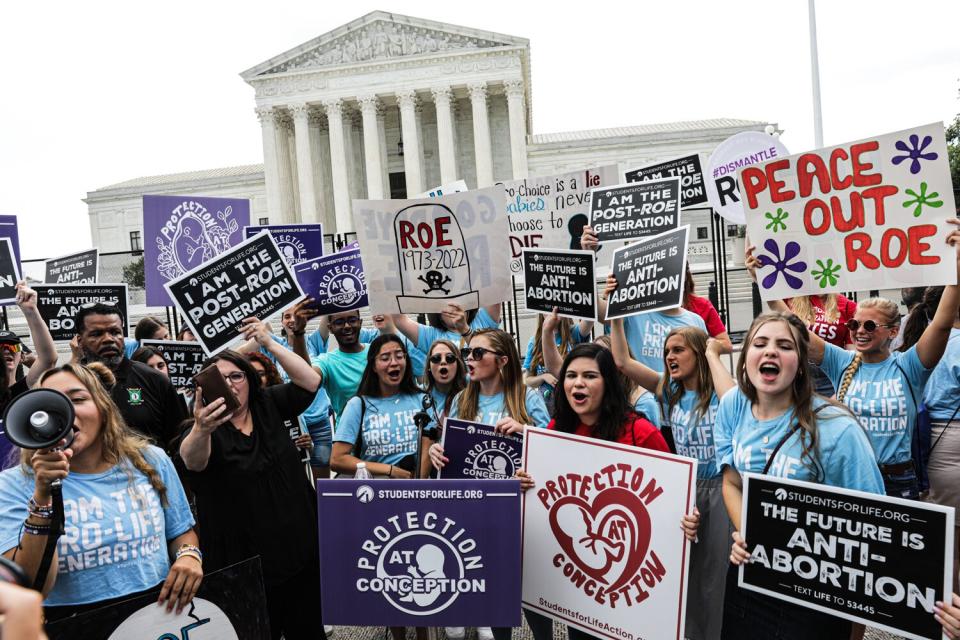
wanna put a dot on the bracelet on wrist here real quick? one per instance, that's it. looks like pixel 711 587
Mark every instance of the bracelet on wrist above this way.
pixel 37 529
pixel 42 511
pixel 190 550
pixel 390 473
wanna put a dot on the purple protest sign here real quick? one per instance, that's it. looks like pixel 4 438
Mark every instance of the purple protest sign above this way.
pixel 182 232
pixel 9 229
pixel 335 282
pixel 420 552
pixel 297 242
pixel 476 450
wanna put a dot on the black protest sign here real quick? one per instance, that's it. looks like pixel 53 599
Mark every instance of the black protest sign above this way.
pixel 561 279
pixel 77 268
pixel 59 304
pixel 872 559
pixel 230 605
pixel 636 210
pixel 687 169
pixel 9 272
pixel 650 275
pixel 250 279
pixel 183 360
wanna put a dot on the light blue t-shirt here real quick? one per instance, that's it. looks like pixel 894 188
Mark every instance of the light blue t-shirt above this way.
pixel 648 406
pixel 389 433
pixel 116 530
pixel 317 345
pixel 490 409
pixel 130 347
pixel 693 432
pixel 439 400
pixel 882 398
pixel 844 456
pixel 647 332
pixel 427 335
pixel 942 395
pixel 341 373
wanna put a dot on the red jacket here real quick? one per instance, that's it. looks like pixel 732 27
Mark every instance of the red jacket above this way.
pixel 636 431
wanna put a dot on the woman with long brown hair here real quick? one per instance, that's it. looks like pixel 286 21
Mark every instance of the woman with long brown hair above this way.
pixel 535 373
pixel 775 424
pixel 121 491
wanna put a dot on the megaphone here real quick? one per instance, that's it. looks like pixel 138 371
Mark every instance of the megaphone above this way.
pixel 39 419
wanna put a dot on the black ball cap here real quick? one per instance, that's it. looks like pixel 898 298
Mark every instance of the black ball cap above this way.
pixel 9 337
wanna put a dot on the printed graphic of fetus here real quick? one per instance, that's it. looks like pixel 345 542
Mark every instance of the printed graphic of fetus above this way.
pixel 499 465
pixel 191 244
pixel 429 565
pixel 595 550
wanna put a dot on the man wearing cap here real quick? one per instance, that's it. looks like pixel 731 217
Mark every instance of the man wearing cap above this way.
pixel 146 399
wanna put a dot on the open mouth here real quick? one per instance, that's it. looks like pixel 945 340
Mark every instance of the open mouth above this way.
pixel 442 371
pixel 394 375
pixel 673 367
pixel 862 339
pixel 579 397
pixel 769 371
pixel 470 369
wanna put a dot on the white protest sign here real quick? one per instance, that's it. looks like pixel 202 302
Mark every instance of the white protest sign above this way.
pixel 602 546
pixel 551 211
pixel 870 214
pixel 737 151
pixel 423 254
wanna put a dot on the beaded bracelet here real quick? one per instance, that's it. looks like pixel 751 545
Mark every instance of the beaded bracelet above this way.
pixel 189 550
pixel 43 511
pixel 37 529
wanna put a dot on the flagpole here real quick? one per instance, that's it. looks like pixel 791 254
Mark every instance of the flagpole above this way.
pixel 815 73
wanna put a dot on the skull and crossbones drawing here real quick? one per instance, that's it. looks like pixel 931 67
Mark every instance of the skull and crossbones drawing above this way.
pixel 434 281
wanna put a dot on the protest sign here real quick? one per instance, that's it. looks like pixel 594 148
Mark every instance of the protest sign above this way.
pixel 551 211
pixel 442 190
pixel 297 242
pixel 250 279
pixel 602 545
pixel 421 255
pixel 420 552
pixel 58 305
pixel 182 232
pixel 650 275
pixel 476 450
pixel 637 210
pixel 687 168
pixel 873 559
pixel 230 605
pixel 335 282
pixel 9 229
pixel 870 214
pixel 77 268
pixel 183 360
pixel 561 279
pixel 739 150
pixel 9 272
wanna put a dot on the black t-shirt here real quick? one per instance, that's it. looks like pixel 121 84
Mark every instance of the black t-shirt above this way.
pixel 253 497
pixel 148 402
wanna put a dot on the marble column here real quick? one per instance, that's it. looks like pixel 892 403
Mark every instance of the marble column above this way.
pixel 445 136
pixel 481 134
pixel 301 132
pixel 412 166
pixel 286 212
pixel 518 127
pixel 319 150
pixel 338 165
pixel 371 147
pixel 384 159
pixel 270 171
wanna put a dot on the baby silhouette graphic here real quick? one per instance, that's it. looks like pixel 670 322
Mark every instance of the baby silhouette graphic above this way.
pixel 595 550
pixel 429 565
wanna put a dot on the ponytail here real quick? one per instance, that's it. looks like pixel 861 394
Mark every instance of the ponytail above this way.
pixel 848 375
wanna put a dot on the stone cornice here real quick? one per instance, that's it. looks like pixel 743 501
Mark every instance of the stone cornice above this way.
pixel 254 178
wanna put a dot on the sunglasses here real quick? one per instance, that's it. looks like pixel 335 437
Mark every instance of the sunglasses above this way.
pixel 12 348
pixel 868 325
pixel 476 352
pixel 446 358
pixel 236 377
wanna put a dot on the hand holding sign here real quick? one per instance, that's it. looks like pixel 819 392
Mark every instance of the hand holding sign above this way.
pixel 253 329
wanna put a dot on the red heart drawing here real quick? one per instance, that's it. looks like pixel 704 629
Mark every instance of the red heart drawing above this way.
pixel 611 532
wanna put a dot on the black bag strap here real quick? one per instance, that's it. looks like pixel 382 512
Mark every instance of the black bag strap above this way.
pixel 776 450
pixel 358 445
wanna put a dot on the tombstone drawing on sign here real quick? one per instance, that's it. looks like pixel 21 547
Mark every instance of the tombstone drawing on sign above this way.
pixel 433 258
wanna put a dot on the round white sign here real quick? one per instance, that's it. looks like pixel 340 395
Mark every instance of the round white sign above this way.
pixel 737 151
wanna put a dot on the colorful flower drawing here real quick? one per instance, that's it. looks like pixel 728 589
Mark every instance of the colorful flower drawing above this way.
pixel 777 220
pixel 827 273
pixel 922 199
pixel 914 152
pixel 782 265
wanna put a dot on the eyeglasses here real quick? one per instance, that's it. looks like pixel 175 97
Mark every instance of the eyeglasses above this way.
pixel 340 323
pixel 868 325
pixel 387 357
pixel 236 377
pixel 12 348
pixel 476 352
pixel 446 358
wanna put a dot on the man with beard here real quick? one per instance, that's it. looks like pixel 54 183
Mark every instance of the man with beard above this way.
pixel 146 399
pixel 340 371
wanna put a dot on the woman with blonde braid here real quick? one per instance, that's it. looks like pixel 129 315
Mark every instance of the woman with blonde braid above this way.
pixel 775 424
pixel 881 387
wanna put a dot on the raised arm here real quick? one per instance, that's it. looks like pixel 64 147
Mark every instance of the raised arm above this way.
pixel 552 360
pixel 299 371
pixel 933 341
pixel 406 326
pixel 722 380
pixel 636 371
pixel 42 340
pixel 495 311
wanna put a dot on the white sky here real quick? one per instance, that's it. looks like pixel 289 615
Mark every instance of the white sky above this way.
pixel 99 92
